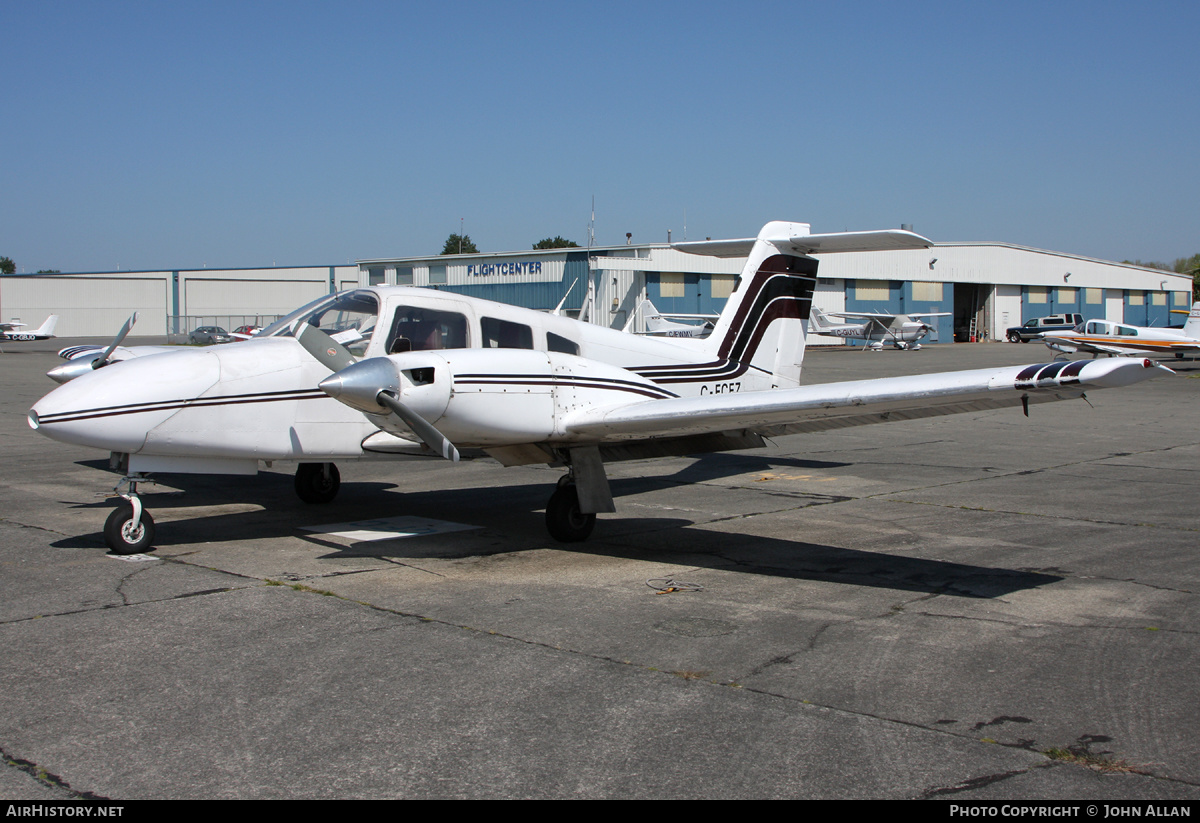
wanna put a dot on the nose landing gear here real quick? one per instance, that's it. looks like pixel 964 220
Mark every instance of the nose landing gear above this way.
pixel 129 529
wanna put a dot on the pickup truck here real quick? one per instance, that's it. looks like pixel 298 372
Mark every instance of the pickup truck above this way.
pixel 1034 327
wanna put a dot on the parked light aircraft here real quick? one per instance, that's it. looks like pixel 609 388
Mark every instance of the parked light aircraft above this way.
pixel 903 331
pixel 658 324
pixel 1099 337
pixel 385 372
pixel 8 331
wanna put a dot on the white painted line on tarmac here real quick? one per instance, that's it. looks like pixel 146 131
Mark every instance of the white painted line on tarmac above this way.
pixel 388 528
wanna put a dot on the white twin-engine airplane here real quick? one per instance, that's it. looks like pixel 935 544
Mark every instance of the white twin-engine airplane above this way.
pixel 9 331
pixel 903 331
pixel 392 371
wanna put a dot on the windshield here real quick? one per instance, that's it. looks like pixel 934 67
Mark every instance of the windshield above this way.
pixel 349 317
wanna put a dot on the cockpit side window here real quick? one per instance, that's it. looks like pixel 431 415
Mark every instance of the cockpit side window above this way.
pixel 416 329
pixel 561 344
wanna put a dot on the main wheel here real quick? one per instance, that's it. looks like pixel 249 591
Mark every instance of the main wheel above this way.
pixel 312 486
pixel 565 522
pixel 124 536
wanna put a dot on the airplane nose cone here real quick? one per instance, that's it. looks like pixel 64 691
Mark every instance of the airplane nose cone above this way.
pixel 115 407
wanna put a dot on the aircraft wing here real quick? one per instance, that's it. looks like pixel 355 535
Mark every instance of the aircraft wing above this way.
pixel 857 403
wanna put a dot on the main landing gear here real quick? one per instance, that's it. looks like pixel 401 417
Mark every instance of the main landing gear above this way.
pixel 564 520
pixel 130 528
pixel 317 482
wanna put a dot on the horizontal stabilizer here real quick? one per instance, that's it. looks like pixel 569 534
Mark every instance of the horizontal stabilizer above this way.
pixel 885 240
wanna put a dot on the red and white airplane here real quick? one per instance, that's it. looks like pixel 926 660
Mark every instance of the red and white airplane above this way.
pixel 1098 337
pixel 388 372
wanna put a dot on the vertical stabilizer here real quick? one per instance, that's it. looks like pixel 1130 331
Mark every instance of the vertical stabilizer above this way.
pixel 47 328
pixel 1192 327
pixel 762 324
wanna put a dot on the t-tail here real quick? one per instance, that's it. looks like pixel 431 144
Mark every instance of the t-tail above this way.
pixel 763 324
pixel 1192 327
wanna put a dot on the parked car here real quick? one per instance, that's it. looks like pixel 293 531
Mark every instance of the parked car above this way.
pixel 210 334
pixel 1034 327
pixel 249 331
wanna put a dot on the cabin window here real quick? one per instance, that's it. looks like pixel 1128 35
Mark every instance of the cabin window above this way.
pixel 1127 331
pixel 503 334
pixel 561 344
pixel 349 317
pixel 415 329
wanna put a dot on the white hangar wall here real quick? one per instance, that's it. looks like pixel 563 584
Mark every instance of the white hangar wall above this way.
pixel 96 304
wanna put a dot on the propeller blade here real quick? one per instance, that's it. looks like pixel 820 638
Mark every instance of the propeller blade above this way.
pixel 430 436
pixel 330 353
pixel 103 359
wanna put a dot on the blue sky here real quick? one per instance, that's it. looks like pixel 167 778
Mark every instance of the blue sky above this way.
pixel 179 135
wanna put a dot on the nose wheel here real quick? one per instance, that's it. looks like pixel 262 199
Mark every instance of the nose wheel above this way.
pixel 129 529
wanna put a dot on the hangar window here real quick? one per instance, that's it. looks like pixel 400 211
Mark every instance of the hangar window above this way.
pixel 926 291
pixel 1068 295
pixel 670 284
pixel 1036 294
pixel 1093 296
pixel 872 290
pixel 504 334
pixel 1136 298
pixel 375 276
pixel 1158 298
pixel 721 285
pixel 437 275
pixel 415 329
pixel 1181 298
pixel 404 275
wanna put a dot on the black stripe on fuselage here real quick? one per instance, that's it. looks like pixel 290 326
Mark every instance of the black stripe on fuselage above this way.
pixel 173 405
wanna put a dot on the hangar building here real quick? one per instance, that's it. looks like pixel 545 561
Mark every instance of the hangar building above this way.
pixel 987 287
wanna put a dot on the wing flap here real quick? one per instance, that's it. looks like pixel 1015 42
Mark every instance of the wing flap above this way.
pixel 857 403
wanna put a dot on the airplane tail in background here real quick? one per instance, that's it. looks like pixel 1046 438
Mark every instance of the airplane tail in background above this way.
pixel 818 322
pixel 762 325
pixel 1192 327
pixel 47 328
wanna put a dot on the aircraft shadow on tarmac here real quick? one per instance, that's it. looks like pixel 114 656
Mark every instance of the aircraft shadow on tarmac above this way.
pixel 507 520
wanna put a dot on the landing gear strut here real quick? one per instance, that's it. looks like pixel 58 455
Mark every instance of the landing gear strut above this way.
pixel 317 482
pixel 130 528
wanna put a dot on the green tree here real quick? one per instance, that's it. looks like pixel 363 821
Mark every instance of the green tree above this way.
pixel 459 244
pixel 7 266
pixel 555 242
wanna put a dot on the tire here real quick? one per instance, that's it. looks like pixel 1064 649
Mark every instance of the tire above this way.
pixel 123 536
pixel 1013 337
pixel 313 487
pixel 565 522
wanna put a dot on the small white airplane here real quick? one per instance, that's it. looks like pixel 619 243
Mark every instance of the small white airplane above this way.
pixel 657 324
pixel 903 331
pixel 8 331
pixel 1099 337
pixel 389 372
